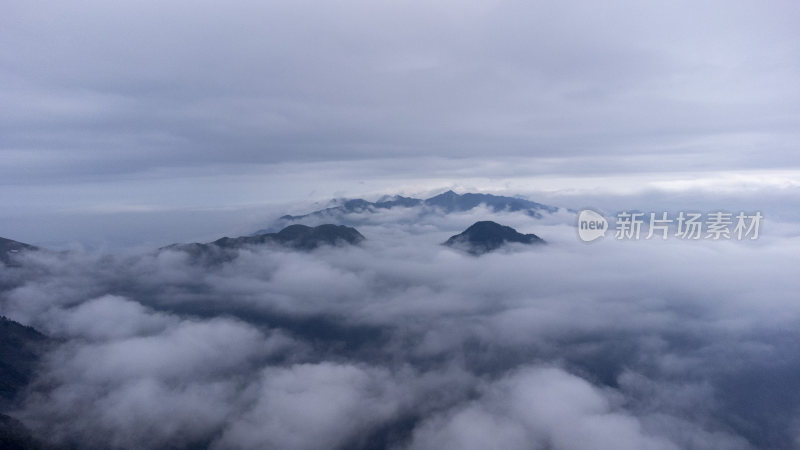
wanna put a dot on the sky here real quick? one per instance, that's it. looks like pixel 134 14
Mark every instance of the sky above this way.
pixel 125 113
pixel 126 126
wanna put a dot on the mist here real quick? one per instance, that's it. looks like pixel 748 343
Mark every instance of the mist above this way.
pixel 131 128
pixel 400 343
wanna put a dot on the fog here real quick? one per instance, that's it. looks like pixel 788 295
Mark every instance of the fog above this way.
pixel 128 126
pixel 402 343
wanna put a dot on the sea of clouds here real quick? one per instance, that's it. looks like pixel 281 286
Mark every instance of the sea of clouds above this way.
pixel 402 343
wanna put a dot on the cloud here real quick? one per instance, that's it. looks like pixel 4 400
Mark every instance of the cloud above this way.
pixel 361 80
pixel 538 408
pixel 403 343
pixel 139 123
pixel 107 318
pixel 151 388
pixel 127 113
pixel 311 406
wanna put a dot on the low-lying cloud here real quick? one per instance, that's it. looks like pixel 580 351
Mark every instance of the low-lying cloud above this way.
pixel 403 343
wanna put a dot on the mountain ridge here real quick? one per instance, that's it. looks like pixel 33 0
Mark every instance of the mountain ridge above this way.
pixel 9 249
pixel 297 237
pixel 485 236
pixel 447 202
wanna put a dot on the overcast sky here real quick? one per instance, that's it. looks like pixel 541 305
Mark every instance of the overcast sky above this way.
pixel 129 125
pixel 120 107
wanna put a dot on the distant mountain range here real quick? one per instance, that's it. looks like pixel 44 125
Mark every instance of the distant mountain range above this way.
pixel 446 202
pixel 298 237
pixel 303 237
pixel 486 236
pixel 10 249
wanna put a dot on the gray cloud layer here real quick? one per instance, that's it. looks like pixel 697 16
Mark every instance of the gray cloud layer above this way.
pixel 144 113
pixel 118 116
pixel 402 343
pixel 101 88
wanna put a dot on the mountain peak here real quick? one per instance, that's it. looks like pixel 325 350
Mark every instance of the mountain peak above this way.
pixel 485 236
pixel 308 238
pixel 297 236
pixel 448 195
pixel 354 211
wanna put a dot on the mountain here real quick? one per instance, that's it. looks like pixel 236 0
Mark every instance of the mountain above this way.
pixel 299 237
pixel 20 348
pixel 446 202
pixel 485 236
pixel 14 436
pixel 10 249
pixel 450 202
pixel 359 205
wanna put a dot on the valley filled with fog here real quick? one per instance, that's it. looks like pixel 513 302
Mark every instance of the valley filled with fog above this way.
pixel 311 225
pixel 400 342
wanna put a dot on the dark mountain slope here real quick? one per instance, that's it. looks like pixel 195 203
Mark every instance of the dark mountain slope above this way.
pixel 298 237
pixel 20 350
pixel 9 250
pixel 485 236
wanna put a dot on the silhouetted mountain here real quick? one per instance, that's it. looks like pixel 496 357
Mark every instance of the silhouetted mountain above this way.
pixel 360 205
pixel 299 237
pixel 446 202
pixel 14 436
pixel 450 201
pixel 10 249
pixel 485 236
pixel 20 348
